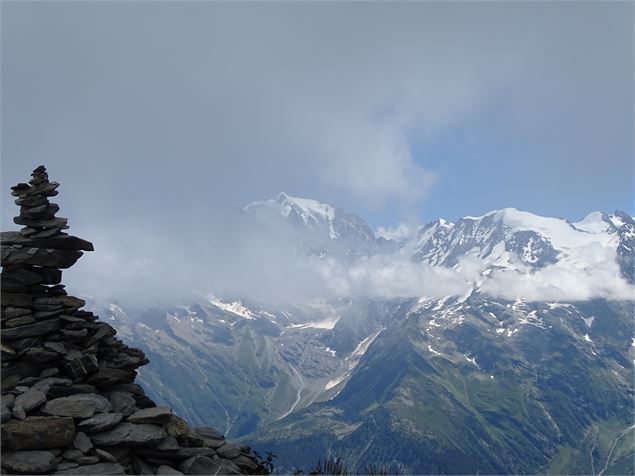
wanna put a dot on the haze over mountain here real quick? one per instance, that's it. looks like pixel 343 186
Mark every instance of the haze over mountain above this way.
pixel 469 347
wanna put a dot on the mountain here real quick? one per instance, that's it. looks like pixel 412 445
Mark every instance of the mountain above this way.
pixel 513 239
pixel 322 229
pixel 460 384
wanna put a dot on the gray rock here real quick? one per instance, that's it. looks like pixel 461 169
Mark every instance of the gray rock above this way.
pixel 45 384
pixel 167 470
pixel 20 321
pixel 66 465
pixel 246 464
pixel 208 432
pixel 29 462
pixel 229 451
pixel 12 312
pixel 50 372
pixel 82 442
pixel 199 465
pixel 19 413
pixel 206 465
pixel 73 455
pixel 39 433
pixel 16 299
pixel 82 405
pixel 110 376
pixel 29 400
pixel 64 242
pixel 39 355
pixel 58 347
pixel 42 315
pixel 99 468
pixel 39 256
pixel 100 422
pixel 122 402
pixel 157 415
pixel 139 466
pixel 129 434
pixel 6 406
pixel 105 455
pixel 30 330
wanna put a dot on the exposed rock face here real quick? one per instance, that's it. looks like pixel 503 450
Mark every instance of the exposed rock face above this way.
pixel 69 401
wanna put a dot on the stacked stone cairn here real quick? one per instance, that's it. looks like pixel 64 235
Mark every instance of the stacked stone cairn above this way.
pixel 69 401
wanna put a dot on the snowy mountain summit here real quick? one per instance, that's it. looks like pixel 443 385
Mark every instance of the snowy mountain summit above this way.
pixel 321 224
pixel 514 239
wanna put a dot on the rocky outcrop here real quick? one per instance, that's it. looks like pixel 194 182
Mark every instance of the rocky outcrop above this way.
pixel 70 404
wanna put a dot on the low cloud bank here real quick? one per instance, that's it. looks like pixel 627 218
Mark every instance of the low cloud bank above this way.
pixel 150 268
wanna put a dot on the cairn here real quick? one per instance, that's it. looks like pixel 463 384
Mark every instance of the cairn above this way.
pixel 69 402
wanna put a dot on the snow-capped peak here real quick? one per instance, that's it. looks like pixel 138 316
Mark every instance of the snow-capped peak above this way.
pixel 311 212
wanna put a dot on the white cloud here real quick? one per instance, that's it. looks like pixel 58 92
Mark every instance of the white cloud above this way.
pixel 597 277
pixel 400 232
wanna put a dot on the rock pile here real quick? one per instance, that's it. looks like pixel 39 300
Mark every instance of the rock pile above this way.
pixel 69 401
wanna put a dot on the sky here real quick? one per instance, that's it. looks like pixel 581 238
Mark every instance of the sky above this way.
pixel 158 117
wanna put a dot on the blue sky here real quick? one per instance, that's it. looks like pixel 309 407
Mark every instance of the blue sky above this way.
pixel 163 115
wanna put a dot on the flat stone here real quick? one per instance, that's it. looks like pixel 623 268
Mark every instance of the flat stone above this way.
pixel 66 465
pixel 16 299
pixel 30 330
pixel 246 464
pixel 29 462
pixel 32 201
pixel 79 334
pixel 50 372
pixel 191 439
pixel 37 212
pixel 175 453
pixel 109 376
pixel 167 470
pixel 58 347
pixel 19 413
pixel 94 469
pixel 139 466
pixel 64 242
pixel 157 415
pixel 39 256
pixel 82 405
pixel 39 433
pixel 104 331
pixel 229 451
pixel 6 406
pixel 208 432
pixel 20 321
pixel 122 402
pixel 199 465
pixel 100 422
pixel 38 355
pixel 30 399
pixel 43 232
pixel 72 302
pixel 47 189
pixel 129 434
pixel 105 455
pixel 45 384
pixel 73 455
pixel 82 442
pixel 11 312
pixel 206 465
